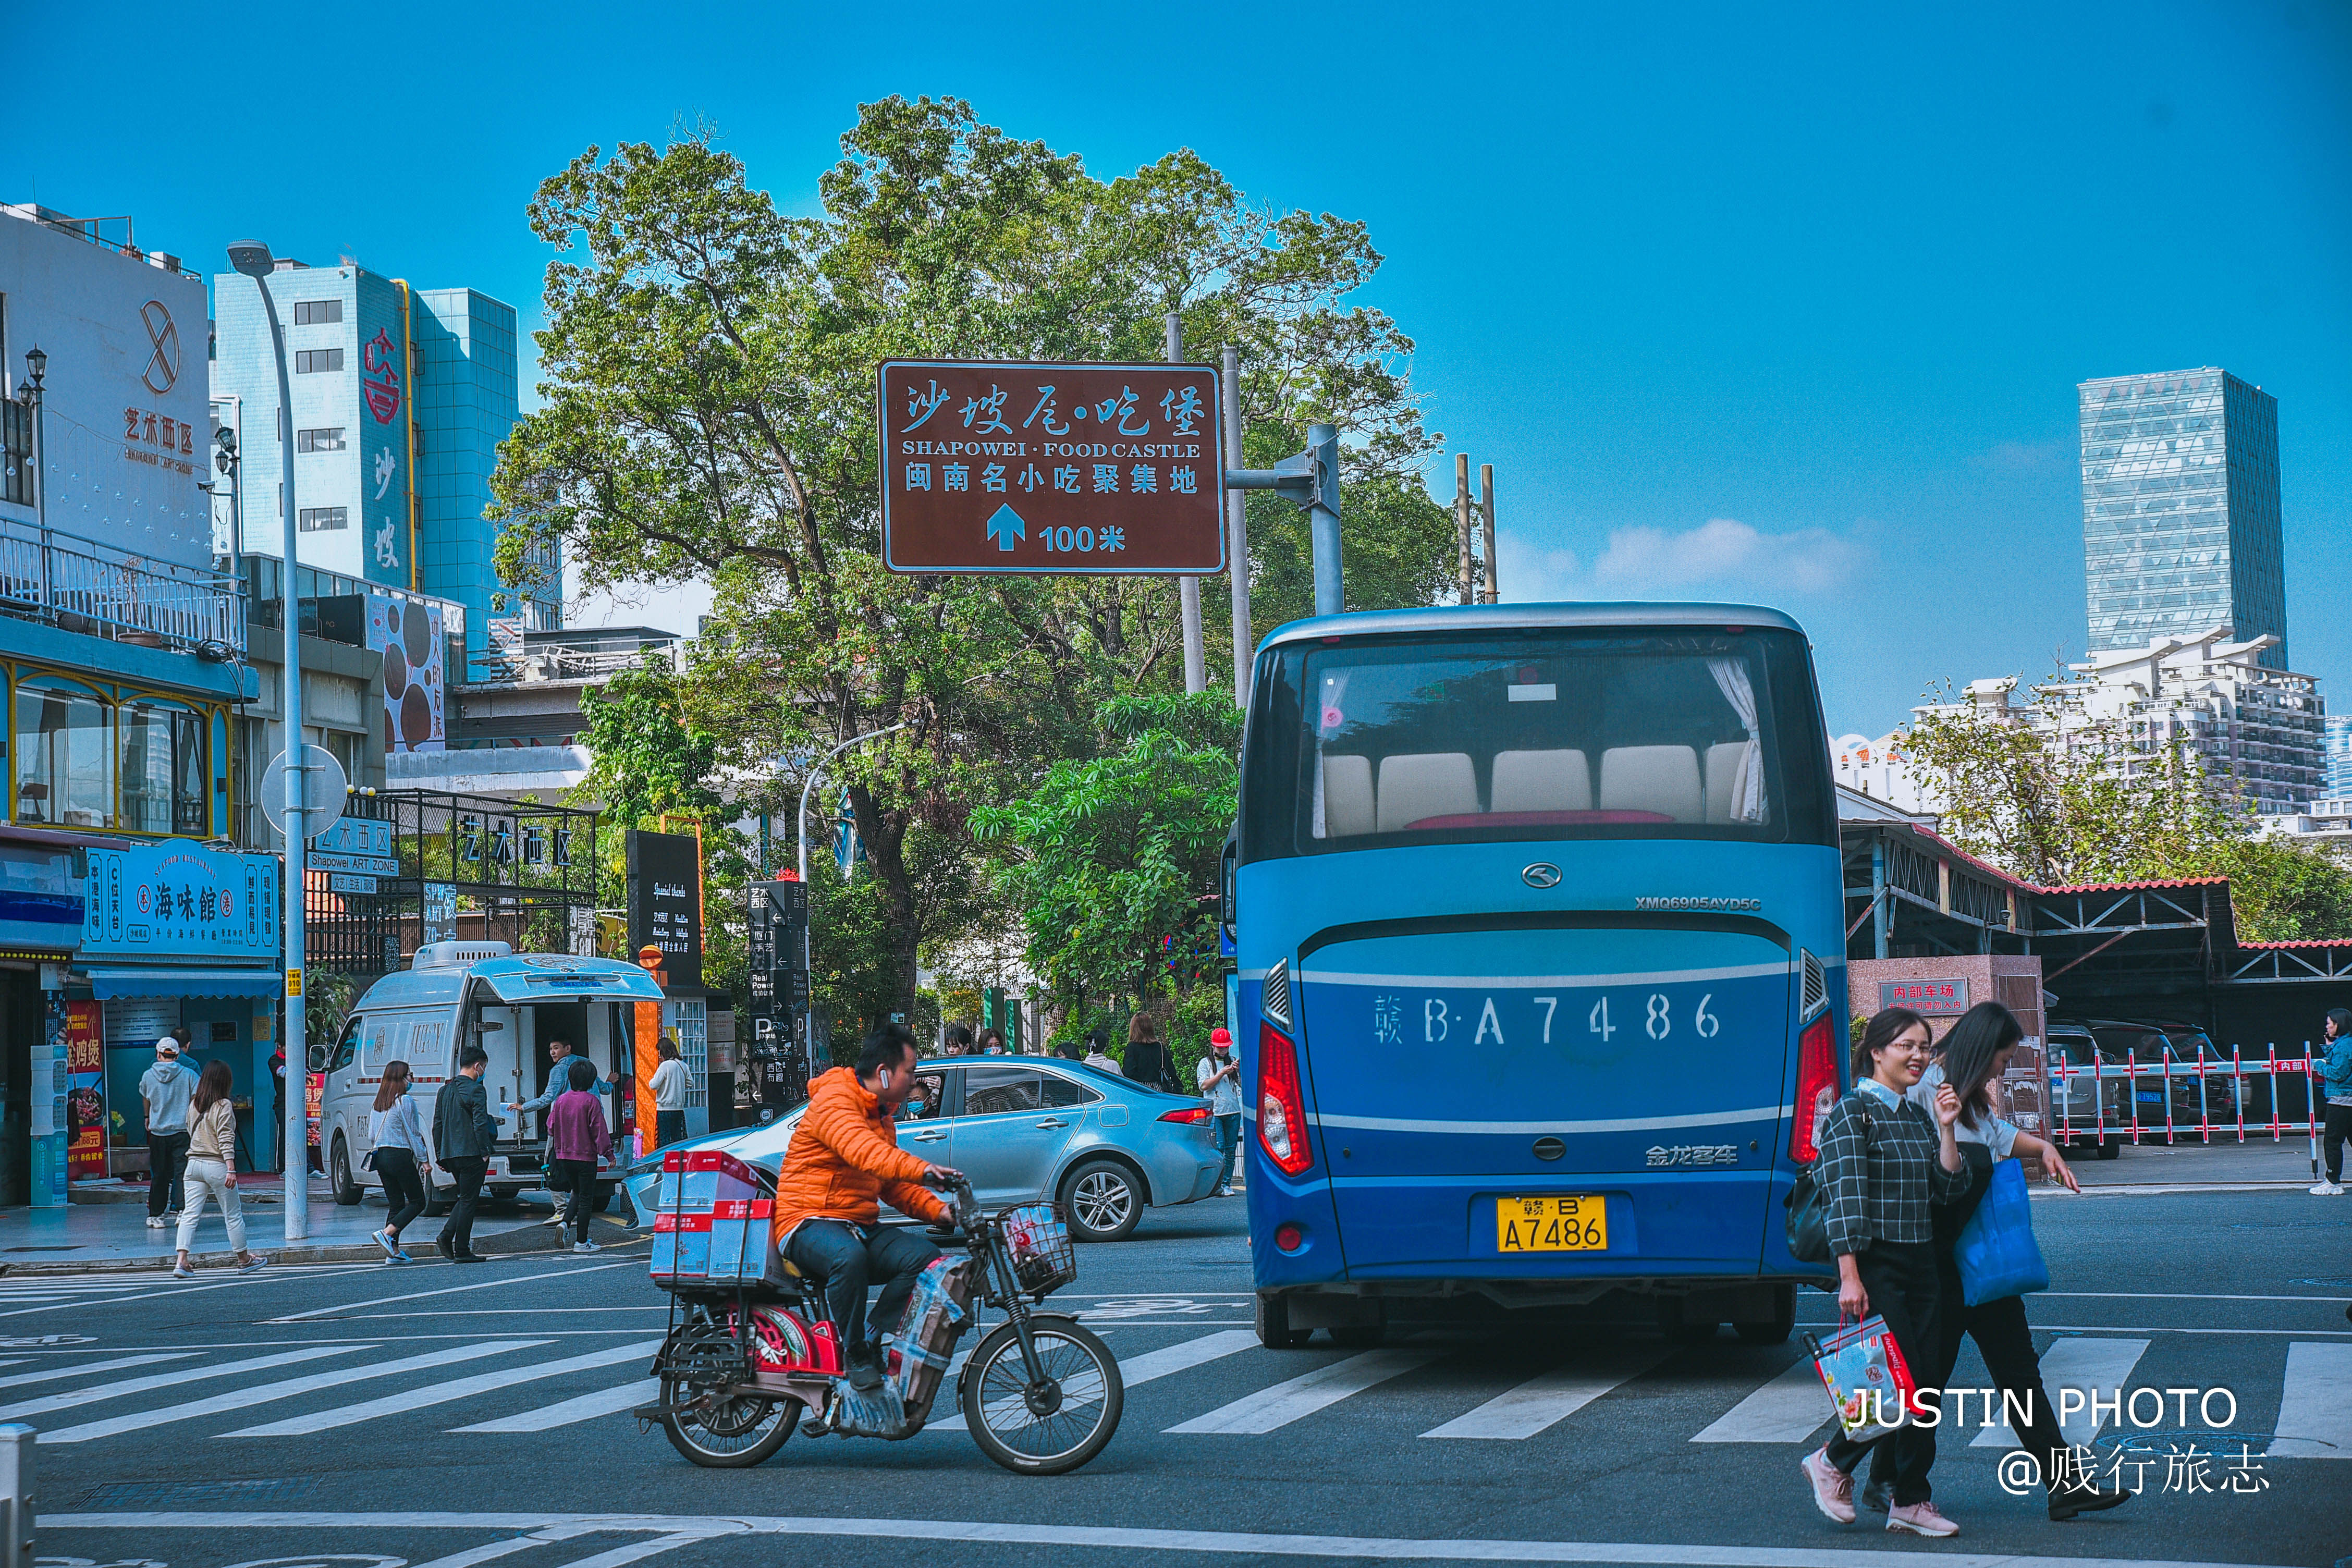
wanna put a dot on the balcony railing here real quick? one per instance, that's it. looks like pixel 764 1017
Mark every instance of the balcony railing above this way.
pixel 549 661
pixel 81 586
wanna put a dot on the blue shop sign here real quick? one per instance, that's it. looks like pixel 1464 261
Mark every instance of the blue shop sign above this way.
pixel 180 900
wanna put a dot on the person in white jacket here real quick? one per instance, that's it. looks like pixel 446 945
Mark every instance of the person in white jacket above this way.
pixel 404 1157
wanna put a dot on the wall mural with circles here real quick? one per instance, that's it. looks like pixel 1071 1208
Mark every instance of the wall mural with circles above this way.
pixel 415 673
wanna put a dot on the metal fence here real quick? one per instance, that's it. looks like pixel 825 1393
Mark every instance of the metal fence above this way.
pixel 81 585
pixel 2169 1098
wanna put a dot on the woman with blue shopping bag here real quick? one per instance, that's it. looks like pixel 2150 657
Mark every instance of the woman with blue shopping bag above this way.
pixel 1986 1258
pixel 1884 1163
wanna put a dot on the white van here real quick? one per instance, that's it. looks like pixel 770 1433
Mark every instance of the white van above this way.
pixel 510 1004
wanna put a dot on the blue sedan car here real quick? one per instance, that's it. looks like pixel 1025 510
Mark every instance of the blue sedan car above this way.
pixel 1024 1128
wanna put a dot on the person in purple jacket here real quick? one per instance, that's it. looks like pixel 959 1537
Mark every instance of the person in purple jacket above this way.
pixel 577 1136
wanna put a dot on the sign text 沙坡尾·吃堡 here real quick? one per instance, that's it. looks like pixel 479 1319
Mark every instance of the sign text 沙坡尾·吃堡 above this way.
pixel 989 466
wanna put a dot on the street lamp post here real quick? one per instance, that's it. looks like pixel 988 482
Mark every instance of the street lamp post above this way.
pixel 36 364
pixel 808 1013
pixel 252 258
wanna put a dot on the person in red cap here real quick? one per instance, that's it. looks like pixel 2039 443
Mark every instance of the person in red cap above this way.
pixel 1219 1076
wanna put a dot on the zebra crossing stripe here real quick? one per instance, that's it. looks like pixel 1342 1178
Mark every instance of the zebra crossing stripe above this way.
pixel 443 1392
pixel 1542 1402
pixel 264 1393
pixel 2099 1368
pixel 1272 1408
pixel 2314 1418
pixel 1152 1365
pixel 473 1556
pixel 116 1365
pixel 1788 1409
pixel 637 1551
pixel 588 1406
pixel 172 1379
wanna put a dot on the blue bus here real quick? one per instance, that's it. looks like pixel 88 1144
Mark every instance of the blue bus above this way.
pixel 1540 935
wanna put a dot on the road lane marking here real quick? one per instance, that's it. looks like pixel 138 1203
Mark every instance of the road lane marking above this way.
pixel 1788 1409
pixel 127 1385
pixel 637 1551
pixel 1295 1398
pixel 443 1392
pixel 284 1388
pixel 1543 1401
pixel 116 1365
pixel 453 1290
pixel 588 1406
pixel 2314 1418
pixel 2100 1368
pixel 176 1290
pixel 1146 1367
pixel 475 1555
pixel 1107 1538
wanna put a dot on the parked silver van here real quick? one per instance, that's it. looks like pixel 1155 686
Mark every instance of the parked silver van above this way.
pixel 510 1004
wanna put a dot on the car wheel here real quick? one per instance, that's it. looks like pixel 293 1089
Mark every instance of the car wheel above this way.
pixel 2108 1148
pixel 338 1175
pixel 601 1198
pixel 1103 1200
pixel 1776 1329
pixel 435 1207
pixel 1274 1329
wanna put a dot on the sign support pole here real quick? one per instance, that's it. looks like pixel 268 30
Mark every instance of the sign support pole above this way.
pixel 1312 479
pixel 295 1114
pixel 1237 530
pixel 1187 589
pixel 1487 513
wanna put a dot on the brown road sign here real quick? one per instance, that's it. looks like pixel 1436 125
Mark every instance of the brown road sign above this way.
pixel 989 466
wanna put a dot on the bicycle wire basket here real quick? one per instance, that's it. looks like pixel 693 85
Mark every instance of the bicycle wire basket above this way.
pixel 1038 1240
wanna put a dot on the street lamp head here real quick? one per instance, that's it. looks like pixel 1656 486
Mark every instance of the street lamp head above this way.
pixel 251 257
pixel 35 363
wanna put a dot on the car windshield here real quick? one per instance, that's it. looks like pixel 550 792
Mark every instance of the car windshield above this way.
pixel 1544 733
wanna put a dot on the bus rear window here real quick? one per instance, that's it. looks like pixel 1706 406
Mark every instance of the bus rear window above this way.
pixel 1540 734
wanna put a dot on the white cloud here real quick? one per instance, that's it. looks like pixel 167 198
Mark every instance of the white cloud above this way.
pixel 1659 563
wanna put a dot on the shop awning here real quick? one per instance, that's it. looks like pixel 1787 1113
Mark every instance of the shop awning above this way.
pixel 106 981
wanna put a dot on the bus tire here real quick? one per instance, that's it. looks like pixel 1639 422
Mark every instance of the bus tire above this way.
pixel 1274 1329
pixel 340 1180
pixel 1775 1329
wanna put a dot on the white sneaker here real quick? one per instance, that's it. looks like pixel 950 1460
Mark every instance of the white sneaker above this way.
pixel 2323 1190
pixel 585 1246
pixel 155 1220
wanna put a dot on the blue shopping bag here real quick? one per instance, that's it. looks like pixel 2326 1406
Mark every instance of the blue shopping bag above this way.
pixel 1996 1251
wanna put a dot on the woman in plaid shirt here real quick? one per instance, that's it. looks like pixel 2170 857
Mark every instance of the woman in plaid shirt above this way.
pixel 1884 1162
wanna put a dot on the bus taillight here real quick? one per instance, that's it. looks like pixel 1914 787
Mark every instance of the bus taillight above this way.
pixel 1816 1071
pixel 1281 1110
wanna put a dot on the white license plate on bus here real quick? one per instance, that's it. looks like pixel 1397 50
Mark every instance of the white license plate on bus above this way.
pixel 1577 1223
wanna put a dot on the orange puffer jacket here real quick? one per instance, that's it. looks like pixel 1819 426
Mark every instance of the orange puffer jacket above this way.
pixel 844 1158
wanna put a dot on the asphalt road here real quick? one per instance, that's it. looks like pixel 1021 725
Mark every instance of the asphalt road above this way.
pixel 430 1415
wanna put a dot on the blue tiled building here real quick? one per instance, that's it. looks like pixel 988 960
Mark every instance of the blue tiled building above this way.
pixel 2181 511
pixel 401 398
pixel 2336 740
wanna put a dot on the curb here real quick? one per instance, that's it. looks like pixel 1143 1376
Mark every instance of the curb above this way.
pixel 2145 1189
pixel 367 1253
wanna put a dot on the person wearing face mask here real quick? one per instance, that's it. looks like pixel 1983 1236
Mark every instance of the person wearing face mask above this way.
pixel 1219 1078
pixel 1884 1164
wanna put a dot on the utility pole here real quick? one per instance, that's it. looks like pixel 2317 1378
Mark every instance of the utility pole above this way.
pixel 1237 531
pixel 1487 511
pixel 1467 571
pixel 252 258
pixel 1187 589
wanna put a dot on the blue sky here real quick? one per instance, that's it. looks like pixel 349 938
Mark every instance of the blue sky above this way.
pixel 1780 303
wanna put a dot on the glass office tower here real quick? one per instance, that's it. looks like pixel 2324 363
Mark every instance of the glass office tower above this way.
pixel 2180 510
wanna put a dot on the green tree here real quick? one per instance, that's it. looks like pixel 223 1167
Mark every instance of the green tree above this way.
pixel 709 414
pixel 1110 857
pixel 2100 804
pixel 647 761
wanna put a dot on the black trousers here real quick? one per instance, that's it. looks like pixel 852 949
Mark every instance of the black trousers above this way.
pixel 581 1196
pixel 469 1170
pixel 669 1127
pixel 167 1164
pixel 2336 1128
pixel 1902 1279
pixel 2005 1340
pixel 829 1250
pixel 404 1185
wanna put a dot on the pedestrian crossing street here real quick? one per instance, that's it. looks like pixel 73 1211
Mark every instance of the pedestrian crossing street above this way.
pixel 1218 1384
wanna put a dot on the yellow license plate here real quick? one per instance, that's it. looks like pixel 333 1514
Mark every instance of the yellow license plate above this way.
pixel 1576 1224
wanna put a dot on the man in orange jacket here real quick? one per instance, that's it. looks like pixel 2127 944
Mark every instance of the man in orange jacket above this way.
pixel 843 1160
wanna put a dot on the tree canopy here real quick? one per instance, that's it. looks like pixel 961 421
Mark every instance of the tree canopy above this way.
pixel 707 383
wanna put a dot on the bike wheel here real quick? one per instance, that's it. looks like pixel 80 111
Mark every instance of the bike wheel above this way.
pixel 729 1432
pixel 1061 1422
